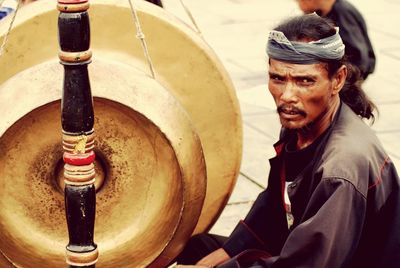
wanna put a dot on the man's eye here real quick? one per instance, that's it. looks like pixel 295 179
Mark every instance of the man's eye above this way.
pixel 276 78
pixel 306 81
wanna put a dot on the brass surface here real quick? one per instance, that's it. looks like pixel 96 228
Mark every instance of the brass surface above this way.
pixel 154 172
pixel 186 68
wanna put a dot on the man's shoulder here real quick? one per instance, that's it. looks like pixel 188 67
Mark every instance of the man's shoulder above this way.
pixel 351 128
pixel 345 12
pixel 352 151
pixel 346 6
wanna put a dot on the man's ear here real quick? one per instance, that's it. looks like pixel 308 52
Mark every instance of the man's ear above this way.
pixel 339 79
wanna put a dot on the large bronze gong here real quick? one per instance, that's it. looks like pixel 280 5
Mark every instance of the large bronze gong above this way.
pixel 168 149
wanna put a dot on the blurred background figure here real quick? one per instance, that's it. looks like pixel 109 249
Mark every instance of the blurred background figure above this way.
pixel 352 29
pixel 8 6
pixel 156 2
pixel 4 11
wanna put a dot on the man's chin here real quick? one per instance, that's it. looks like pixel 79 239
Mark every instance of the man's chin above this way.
pixel 291 124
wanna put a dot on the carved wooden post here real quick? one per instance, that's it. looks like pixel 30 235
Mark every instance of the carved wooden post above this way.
pixel 77 121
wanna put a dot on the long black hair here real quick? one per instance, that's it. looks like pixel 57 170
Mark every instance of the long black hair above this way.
pixel 312 27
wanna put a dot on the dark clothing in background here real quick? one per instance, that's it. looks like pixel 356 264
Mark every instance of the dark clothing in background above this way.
pixel 346 207
pixel 4 11
pixel 353 30
pixel 156 2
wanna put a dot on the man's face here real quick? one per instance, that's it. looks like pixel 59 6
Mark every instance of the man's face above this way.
pixel 303 93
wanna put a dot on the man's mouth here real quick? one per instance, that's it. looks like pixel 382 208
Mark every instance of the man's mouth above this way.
pixel 290 112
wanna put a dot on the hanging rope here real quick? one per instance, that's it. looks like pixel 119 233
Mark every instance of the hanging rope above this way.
pixel 9 27
pixel 140 35
pixel 191 17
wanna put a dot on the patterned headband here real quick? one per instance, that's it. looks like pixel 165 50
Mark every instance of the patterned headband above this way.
pixel 280 48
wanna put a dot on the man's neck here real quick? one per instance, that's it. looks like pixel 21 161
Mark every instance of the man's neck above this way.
pixel 326 6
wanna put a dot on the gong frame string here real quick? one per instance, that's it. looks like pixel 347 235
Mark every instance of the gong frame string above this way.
pixel 3 45
pixel 140 35
pixel 190 15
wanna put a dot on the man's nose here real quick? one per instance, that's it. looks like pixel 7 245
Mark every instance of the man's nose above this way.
pixel 289 93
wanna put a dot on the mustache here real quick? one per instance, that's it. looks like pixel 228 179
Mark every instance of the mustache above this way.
pixel 284 108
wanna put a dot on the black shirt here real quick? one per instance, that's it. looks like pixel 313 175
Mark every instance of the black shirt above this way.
pixel 296 160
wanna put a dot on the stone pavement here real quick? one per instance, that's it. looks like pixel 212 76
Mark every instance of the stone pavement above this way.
pixel 237 31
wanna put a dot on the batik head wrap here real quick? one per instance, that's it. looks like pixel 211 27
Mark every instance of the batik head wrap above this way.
pixel 280 48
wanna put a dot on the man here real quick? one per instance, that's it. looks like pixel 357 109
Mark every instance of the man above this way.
pixel 353 30
pixel 343 202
